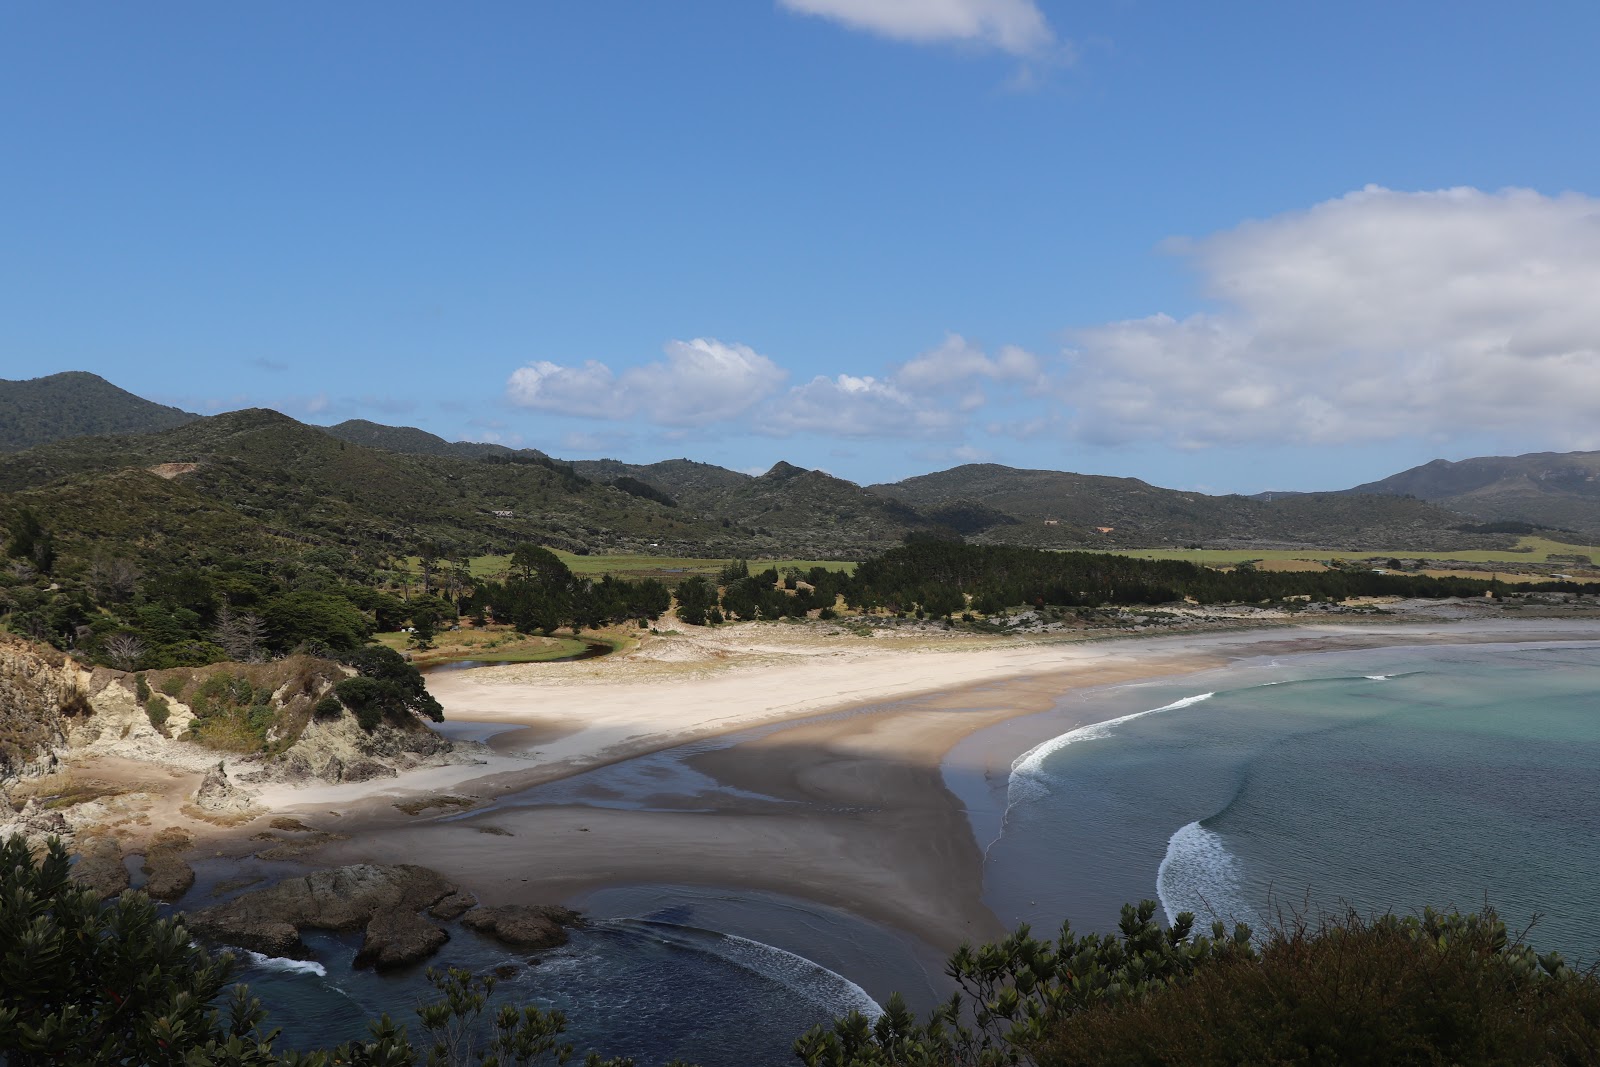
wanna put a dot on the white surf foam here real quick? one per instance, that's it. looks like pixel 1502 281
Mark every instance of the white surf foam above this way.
pixel 1199 874
pixel 1029 766
pixel 282 963
pixel 807 978
pixel 1377 677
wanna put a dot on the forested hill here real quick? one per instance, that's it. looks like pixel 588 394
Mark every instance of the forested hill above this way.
pixel 259 475
pixel 364 481
pixel 414 442
pixel 1559 489
pixel 254 477
pixel 1060 509
pixel 72 404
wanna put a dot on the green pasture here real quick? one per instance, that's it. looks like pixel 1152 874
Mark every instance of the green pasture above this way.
pixel 1527 550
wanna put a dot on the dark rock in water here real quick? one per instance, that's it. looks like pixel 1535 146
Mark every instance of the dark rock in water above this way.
pixel 398 938
pixel 168 875
pixel 522 925
pixel 506 970
pixel 453 906
pixel 343 898
pixel 100 868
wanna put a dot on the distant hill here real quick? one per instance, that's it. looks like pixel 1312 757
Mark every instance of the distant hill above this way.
pixel 413 442
pixel 291 482
pixel 1059 509
pixel 258 474
pixel 1559 489
pixel 75 404
pixel 815 513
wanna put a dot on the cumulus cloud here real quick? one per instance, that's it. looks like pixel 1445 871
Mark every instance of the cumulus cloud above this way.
pixel 1014 26
pixel 700 382
pixel 851 406
pixel 957 363
pixel 1377 315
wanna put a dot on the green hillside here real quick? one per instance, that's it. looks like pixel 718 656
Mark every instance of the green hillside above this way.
pixel 1059 509
pixel 73 404
pixel 412 441
pixel 294 481
pixel 1554 489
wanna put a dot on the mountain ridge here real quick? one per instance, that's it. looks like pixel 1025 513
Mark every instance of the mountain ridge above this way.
pixel 36 411
pixel 306 480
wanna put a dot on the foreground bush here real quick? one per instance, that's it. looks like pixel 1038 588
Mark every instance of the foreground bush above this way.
pixel 1439 989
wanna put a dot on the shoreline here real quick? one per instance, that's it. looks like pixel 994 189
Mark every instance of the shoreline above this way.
pixel 838 796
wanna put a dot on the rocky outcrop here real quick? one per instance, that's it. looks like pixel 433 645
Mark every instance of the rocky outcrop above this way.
pixel 53 708
pixel 522 925
pixel 39 690
pixel 168 876
pixel 99 867
pixel 398 939
pixel 454 906
pixel 343 898
pixel 218 796
pixel 339 750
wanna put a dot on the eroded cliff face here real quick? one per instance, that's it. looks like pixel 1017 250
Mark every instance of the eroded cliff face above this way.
pixel 41 690
pixel 219 729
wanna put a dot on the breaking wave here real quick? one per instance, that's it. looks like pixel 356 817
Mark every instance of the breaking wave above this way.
pixel 1027 772
pixel 826 989
pixel 283 963
pixel 1199 874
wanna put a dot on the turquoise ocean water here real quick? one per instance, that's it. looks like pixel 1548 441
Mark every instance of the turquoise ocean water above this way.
pixel 1382 780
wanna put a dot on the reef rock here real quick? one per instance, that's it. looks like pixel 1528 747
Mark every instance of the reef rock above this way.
pixel 523 925
pixel 343 898
pixel 397 939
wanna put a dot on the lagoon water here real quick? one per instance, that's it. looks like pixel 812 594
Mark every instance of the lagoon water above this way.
pixel 1381 780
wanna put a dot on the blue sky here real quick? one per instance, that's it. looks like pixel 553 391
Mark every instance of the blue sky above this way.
pixel 1226 247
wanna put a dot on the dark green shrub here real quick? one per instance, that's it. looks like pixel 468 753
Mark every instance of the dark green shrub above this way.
pixel 141 688
pixel 158 711
pixel 1434 989
pixel 328 708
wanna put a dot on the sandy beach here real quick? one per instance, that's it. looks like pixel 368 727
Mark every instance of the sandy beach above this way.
pixel 827 784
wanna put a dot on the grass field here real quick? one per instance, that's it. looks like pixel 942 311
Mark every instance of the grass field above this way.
pixel 498 644
pixel 1527 550
pixel 671 569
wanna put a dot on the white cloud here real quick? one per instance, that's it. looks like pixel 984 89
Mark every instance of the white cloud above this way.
pixel 851 406
pixel 701 381
pixel 957 362
pixel 1374 316
pixel 590 390
pixel 1014 26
